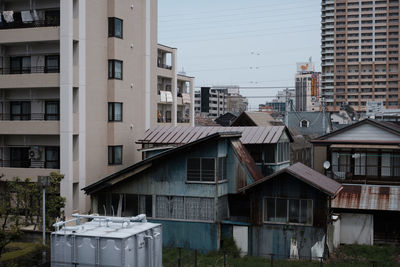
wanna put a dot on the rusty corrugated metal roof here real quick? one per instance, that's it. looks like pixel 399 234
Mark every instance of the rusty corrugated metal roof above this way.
pixel 368 197
pixel 185 134
pixel 307 175
pixel 245 158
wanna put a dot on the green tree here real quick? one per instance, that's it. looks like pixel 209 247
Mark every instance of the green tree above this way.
pixel 21 205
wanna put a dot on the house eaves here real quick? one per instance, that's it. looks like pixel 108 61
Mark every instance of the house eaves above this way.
pixel 145 164
pixel 304 173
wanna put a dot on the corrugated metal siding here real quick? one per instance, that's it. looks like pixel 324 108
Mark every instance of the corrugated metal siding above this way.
pixel 183 135
pixel 365 132
pixel 368 197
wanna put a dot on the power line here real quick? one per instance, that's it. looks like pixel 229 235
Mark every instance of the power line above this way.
pixel 220 10
pixel 265 12
pixel 237 37
pixel 246 55
pixel 180 29
pixel 238 32
pixel 311 15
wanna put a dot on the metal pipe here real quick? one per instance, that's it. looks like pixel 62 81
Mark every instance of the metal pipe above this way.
pixel 140 217
pixel 44 224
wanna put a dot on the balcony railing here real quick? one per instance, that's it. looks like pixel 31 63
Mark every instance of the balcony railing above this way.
pixel 29 117
pixel 183 120
pixel 47 18
pixel 163 119
pixel 164 66
pixel 29 70
pixel 49 164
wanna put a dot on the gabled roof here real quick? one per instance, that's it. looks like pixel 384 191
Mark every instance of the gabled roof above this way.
pixel 255 118
pixel 387 126
pixel 315 120
pixel 184 134
pixel 305 174
pixel 134 169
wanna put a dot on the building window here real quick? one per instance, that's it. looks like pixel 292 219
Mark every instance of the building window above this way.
pixel 185 208
pixel 201 169
pixel 222 168
pixel 282 210
pixel 304 123
pixel 52 158
pixel 368 163
pixel 137 204
pixel 52 64
pixel 115 69
pixel 19 157
pixel 114 155
pixel 283 151
pixel 114 111
pixel 20 110
pixel 115 27
pixel 52 111
pixel 19 65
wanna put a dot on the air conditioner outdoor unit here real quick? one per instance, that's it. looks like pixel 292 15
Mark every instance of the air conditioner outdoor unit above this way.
pixel 34 153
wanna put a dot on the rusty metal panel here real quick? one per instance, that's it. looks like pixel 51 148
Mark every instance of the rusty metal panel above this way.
pixel 307 175
pixel 270 135
pixel 246 158
pixel 184 135
pixel 368 197
pixel 277 135
pixel 160 135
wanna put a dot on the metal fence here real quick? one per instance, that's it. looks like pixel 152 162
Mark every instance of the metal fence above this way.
pixel 186 258
pixel 29 70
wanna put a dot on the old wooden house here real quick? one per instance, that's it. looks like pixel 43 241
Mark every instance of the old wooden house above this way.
pixel 289 210
pixel 268 145
pixel 205 191
pixel 185 188
pixel 365 158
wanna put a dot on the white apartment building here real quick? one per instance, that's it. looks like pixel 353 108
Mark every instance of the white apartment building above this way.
pixel 79 83
pixel 215 101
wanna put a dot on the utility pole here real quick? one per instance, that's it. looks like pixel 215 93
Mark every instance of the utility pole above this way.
pixel 287 108
pixel 44 181
pixel 323 115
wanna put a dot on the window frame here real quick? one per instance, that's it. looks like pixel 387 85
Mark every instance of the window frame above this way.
pixel 112 25
pixel 48 69
pixel 111 116
pixel 21 116
pixel 111 69
pixel 47 115
pixel 48 162
pixel 113 150
pixel 200 174
pixel 288 210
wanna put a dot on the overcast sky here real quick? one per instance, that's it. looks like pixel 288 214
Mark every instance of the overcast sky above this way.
pixel 242 42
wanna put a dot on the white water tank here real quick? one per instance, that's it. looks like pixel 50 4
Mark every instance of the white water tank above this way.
pixel 107 241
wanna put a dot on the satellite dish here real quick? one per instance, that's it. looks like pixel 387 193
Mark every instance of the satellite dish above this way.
pixel 327 164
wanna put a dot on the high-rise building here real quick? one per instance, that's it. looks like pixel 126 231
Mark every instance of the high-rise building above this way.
pixel 79 83
pixel 360 53
pixel 307 87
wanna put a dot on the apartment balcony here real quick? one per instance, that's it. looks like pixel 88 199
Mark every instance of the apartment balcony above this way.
pixel 29 77
pixel 29 161
pixel 32 124
pixel 42 27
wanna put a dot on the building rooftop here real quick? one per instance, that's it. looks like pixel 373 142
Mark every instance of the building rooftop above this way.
pixel 307 175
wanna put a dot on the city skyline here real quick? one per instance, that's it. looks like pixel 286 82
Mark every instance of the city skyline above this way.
pixel 254 44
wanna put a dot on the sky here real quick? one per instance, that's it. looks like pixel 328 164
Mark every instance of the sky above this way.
pixel 250 43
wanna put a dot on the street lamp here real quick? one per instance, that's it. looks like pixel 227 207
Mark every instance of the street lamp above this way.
pixel 44 181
